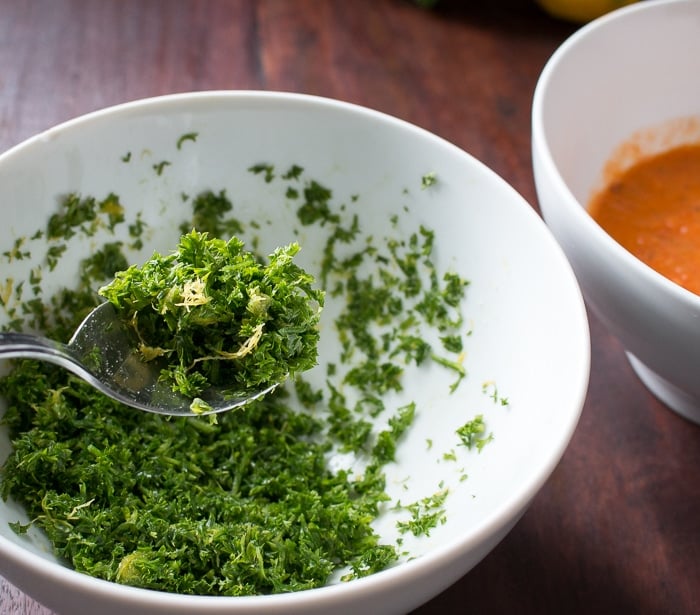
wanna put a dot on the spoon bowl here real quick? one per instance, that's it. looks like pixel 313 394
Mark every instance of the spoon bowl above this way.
pixel 103 352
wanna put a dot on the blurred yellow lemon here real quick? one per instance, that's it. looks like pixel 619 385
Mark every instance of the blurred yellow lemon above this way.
pixel 581 11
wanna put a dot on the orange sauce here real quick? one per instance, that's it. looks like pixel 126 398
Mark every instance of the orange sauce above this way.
pixel 653 210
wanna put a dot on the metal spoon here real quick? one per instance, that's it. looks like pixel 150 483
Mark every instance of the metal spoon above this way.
pixel 103 353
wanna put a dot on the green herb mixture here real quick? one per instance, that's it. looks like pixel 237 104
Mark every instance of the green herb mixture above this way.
pixel 247 504
pixel 218 317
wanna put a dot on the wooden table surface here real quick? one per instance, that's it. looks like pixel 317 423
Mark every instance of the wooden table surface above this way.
pixel 617 527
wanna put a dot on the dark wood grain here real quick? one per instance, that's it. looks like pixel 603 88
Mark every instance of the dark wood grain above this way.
pixel 616 529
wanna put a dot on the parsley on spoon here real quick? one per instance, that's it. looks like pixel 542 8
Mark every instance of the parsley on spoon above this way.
pixel 205 329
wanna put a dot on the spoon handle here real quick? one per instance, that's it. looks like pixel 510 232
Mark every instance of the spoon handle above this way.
pixel 26 346
pixel 17 345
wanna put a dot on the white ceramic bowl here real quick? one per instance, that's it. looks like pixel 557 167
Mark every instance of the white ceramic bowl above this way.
pixel 620 88
pixel 529 328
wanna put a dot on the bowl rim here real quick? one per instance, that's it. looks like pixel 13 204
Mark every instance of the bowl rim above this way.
pixel 411 571
pixel 542 153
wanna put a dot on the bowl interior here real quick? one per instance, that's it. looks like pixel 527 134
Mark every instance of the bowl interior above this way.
pixel 528 339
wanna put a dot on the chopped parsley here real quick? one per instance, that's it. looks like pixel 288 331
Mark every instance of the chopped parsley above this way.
pixel 189 136
pixel 75 213
pixel 212 214
pixel 429 179
pixel 426 514
pixel 267 170
pixel 246 506
pixel 473 433
pixel 385 448
pixel 218 316
pixel 160 166
pixel 490 389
